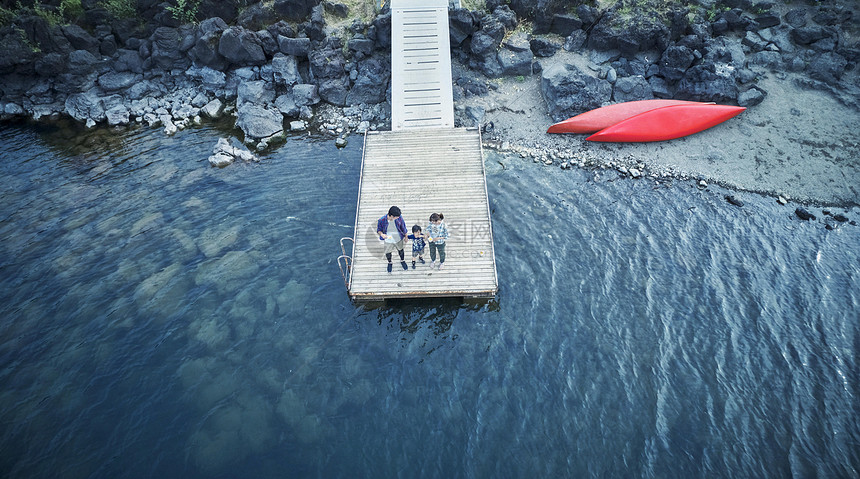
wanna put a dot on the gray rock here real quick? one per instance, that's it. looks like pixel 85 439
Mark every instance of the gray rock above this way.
pixel 298 125
pixel 213 109
pixel 258 122
pixel 79 38
pixel 360 45
pixel 708 83
pixel 294 10
pixel 476 115
pixel 166 53
pixel 334 90
pixel 827 67
pixel 225 153
pixel 85 107
pixel 117 115
pixel 297 47
pixel 210 78
pixel 542 47
pixel 515 62
pixel 675 62
pixel 82 62
pixel 632 88
pixel 128 61
pixel 285 70
pixel 660 87
pixel 803 214
pixel 796 17
pixel 371 84
pixel 241 47
pixel 116 81
pixel 461 24
pixel 139 89
pixel 518 42
pixel 565 24
pixel 286 104
pixel 568 91
pixel 754 41
pixel 575 41
pixel 305 94
pixel 614 32
pixel 205 51
pixel 13 109
pixel 767 59
pixel 220 160
pixel 51 65
pixel 751 97
pixel 256 92
pixel 199 100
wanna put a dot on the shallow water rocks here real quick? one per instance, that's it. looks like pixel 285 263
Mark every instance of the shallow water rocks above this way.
pixel 803 214
pixel 259 122
pixel 225 153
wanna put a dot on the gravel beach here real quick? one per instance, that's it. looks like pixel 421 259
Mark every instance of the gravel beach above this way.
pixel 798 143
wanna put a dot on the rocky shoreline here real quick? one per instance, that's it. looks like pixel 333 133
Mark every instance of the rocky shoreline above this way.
pixel 296 65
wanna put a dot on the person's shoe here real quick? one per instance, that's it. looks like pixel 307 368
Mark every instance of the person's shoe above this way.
pixel 441 265
pixel 432 264
pixel 421 260
pixel 403 263
pixel 413 265
pixel 389 267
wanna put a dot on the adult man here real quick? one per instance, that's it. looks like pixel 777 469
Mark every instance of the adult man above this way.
pixel 392 236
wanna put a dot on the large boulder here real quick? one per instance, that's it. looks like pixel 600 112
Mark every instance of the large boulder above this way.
pixel 568 91
pixel 827 67
pixel 15 50
pixel 241 47
pixel 297 47
pixel 285 70
pixel 515 62
pixel 86 107
pixel 79 38
pixel 334 90
pixel 461 24
pixel 709 82
pixel 128 61
pixel 371 85
pixel 629 33
pixel 259 92
pixel 675 62
pixel 116 81
pixel 632 88
pixel 327 63
pixel 166 53
pixel 51 65
pixel 258 122
pixel 295 10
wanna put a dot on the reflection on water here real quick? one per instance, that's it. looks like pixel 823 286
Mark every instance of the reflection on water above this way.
pixel 164 318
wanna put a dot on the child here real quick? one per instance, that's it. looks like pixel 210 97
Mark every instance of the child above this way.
pixel 437 232
pixel 418 244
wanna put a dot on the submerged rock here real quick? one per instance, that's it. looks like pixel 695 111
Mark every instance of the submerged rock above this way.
pixel 224 154
pixel 803 214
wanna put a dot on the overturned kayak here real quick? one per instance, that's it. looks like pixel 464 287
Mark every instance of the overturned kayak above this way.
pixel 667 123
pixel 604 117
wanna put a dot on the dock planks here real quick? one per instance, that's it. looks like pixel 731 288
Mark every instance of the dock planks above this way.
pixel 423 171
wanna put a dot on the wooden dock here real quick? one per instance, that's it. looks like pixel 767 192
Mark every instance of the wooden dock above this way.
pixel 423 166
pixel 424 171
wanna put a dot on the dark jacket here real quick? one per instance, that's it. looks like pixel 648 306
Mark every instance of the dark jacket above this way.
pixel 399 223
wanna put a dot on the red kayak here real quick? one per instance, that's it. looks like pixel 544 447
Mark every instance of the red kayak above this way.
pixel 600 118
pixel 668 123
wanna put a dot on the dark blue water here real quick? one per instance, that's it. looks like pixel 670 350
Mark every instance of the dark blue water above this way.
pixel 161 318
